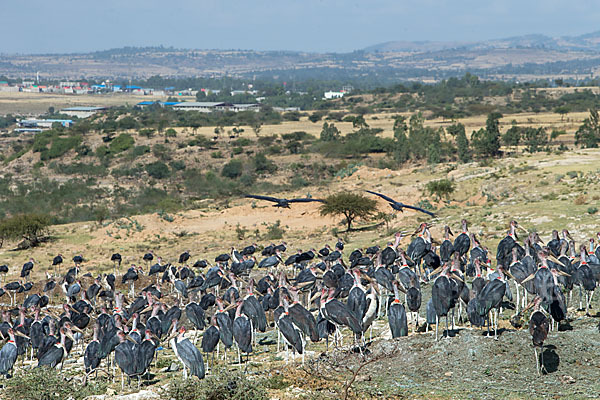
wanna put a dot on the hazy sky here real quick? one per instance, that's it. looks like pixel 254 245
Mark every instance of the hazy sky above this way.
pixel 39 26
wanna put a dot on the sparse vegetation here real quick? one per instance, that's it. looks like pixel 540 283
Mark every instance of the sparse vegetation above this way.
pixel 219 385
pixel 48 384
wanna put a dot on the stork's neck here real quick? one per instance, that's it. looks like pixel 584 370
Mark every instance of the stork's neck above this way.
pixel 583 257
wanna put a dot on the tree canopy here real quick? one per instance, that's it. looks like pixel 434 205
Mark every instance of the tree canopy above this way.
pixel 350 205
pixel 31 227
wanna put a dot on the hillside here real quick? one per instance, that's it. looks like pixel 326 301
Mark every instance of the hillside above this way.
pixel 509 58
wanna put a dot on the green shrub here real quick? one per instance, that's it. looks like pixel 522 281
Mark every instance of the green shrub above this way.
pixel 170 132
pixel 147 132
pixel 62 145
pixel 48 384
pixel 140 151
pixel 161 152
pixel 158 170
pixel 299 135
pixel 274 231
pixel 242 142
pixel 102 151
pixel 592 210
pixel 237 150
pixel 121 143
pixel 263 165
pixel 177 165
pixel 31 227
pixel 220 385
pixel 79 169
pixel 440 188
pixel 233 169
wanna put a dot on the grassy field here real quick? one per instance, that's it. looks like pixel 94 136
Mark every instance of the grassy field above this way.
pixel 22 103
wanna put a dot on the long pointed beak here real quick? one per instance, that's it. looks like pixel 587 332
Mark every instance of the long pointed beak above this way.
pixel 315 296
pixel 507 273
pixel 530 277
pixel 230 307
pixel 171 336
pixel 366 277
pixel 437 270
pixel 521 228
pixel 457 277
pixel 68 334
pixel 145 310
pixel 130 339
pixel 555 260
pixel 401 287
pixel 76 329
pixel 409 259
pixel 19 333
pixel 559 272
pixel 302 285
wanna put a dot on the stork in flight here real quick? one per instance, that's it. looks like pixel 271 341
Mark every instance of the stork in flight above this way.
pixel 283 203
pixel 396 205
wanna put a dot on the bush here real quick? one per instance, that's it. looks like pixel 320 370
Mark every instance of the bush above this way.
pixel 31 227
pixel 263 165
pixel 121 143
pixel 220 385
pixel 441 188
pixel 170 132
pixel 48 384
pixel 592 210
pixel 161 152
pixel 233 169
pixel 140 151
pixel 177 165
pixel 298 135
pixel 274 231
pixel 127 122
pixel 241 142
pixel 158 170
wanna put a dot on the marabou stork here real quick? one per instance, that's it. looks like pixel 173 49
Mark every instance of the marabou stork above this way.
pixel 283 203
pixel 188 354
pixel 396 205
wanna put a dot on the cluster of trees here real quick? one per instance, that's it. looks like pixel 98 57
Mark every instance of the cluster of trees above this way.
pixel 29 227
pixel 413 141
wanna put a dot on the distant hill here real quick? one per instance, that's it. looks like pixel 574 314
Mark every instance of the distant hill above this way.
pixel 587 42
pixel 520 57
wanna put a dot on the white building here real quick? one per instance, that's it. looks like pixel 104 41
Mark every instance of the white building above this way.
pixel 333 95
pixel 82 112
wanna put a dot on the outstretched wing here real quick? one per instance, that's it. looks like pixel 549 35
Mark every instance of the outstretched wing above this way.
pixel 306 200
pixel 268 198
pixel 383 196
pixel 418 209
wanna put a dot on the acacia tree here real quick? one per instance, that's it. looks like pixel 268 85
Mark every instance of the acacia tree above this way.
pixel 350 205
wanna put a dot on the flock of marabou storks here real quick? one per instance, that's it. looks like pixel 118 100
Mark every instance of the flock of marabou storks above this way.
pixel 240 303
